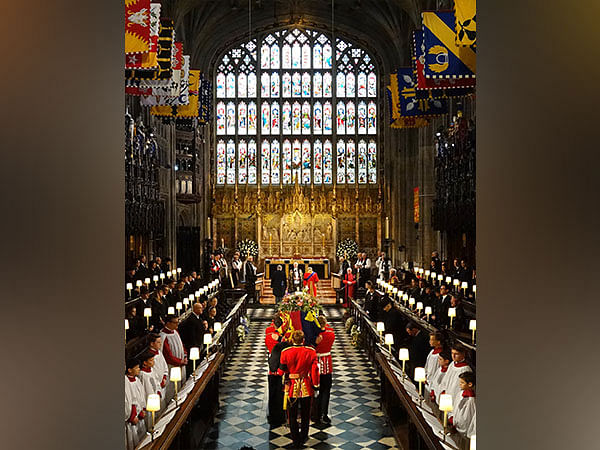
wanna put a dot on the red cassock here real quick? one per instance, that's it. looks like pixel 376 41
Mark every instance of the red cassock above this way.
pixel 311 280
pixel 303 370
pixel 324 351
pixel 350 284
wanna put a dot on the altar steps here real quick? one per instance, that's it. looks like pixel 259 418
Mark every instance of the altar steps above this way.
pixel 325 293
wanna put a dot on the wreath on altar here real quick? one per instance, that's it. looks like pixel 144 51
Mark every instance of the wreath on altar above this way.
pixel 247 247
pixel 347 248
pixel 300 301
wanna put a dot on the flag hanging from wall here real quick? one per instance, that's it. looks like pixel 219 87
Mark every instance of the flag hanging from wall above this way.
pixel 403 122
pixel 147 60
pixel 466 25
pixel 189 110
pixel 163 71
pixel 137 26
pixel 443 58
pixel 405 101
pixel 436 87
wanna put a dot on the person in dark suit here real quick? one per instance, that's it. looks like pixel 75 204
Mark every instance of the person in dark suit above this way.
pixel 144 302
pixel 372 302
pixel 278 283
pixel 440 316
pixel 137 324
pixel 459 323
pixel 193 328
pixel 250 272
pixel 418 346
pixel 394 323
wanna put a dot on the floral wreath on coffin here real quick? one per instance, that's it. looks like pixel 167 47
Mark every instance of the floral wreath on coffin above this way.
pixel 297 301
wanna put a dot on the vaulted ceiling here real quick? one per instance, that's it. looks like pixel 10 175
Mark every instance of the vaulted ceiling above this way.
pixel 207 27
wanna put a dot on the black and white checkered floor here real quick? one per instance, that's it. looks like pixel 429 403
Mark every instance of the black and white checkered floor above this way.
pixel 357 421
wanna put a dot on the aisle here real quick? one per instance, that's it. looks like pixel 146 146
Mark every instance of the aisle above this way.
pixel 357 422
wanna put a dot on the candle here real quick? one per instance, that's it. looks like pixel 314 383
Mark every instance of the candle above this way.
pixel 170 310
pixel 387 227
pixel 207 341
pixel 162 276
pixel 427 273
pixel 448 279
pixel 175 377
pixel 446 406
pixel 147 281
pixel 411 302
pixel 420 378
pixel 194 356
pixel 403 356
pixel 428 312
pixel 169 273
pixel 472 446
pixel 464 285
pixel 380 329
pixel 389 340
pixel 155 278
pixel 147 315
pixel 126 324
pixel 473 327
pixel 217 327
pixel 153 405
pixel 451 314
pixel 129 288
pixel 419 307
pixel 178 307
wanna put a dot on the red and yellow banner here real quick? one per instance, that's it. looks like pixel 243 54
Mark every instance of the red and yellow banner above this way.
pixel 137 26
pixel 416 204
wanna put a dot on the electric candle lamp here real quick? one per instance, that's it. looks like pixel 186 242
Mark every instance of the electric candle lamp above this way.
pixel 191 299
pixel 380 329
pixel 451 314
pixel 440 278
pixel 428 312
pixel 170 310
pixel 138 283
pixel 419 307
pixel 446 406
pixel 126 324
pixel 162 276
pixel 421 271
pixel 433 276
pixel 169 273
pixel 217 327
pixel 456 282
pixel 416 269
pixel 155 278
pixel 464 285
pixel 395 291
pixel 411 302
pixel 405 298
pixel 448 279
pixel 175 378
pixel 129 288
pixel 194 356
pixel 147 315
pixel 427 273
pixel 473 443
pixel 197 294
pixel 420 378
pixel 178 307
pixel 473 327
pixel 147 281
pixel 474 289
pixel 178 270
pixel 403 356
pixel 207 341
pixel 153 405
pixel 389 340
pixel 186 302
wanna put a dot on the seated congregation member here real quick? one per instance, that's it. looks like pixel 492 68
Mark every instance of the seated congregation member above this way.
pixel 439 375
pixel 135 402
pixel 436 342
pixel 451 383
pixel 137 324
pixel 161 368
pixel 418 346
pixel 372 302
pixel 459 323
pixel 464 411
pixel 149 377
pixel 394 323
pixel 172 346
pixel 302 378
pixel 324 343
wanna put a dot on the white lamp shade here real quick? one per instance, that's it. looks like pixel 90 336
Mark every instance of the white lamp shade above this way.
pixel 445 402
pixel 427 273
pixel 191 297
pixel 178 305
pixel 416 269
pixel 169 274
pixel 395 290
pixel 380 326
pixel 175 374
pixel 217 326
pixel 428 310
pixel 389 339
pixel 162 276
pixel 129 286
pixel 153 403
pixel 171 310
pixel 147 281
pixel 433 275
pixel 126 324
pixel 451 312
pixel 440 277
pixel 474 288
pixel 197 293
pixel 179 270
pixel 400 293
pixel 405 297
pixel 448 279
pixel 155 278
pixel 403 355
pixel 421 271
pixel 186 301
pixel 420 374
pixel 147 312
pixel 456 282
pixel 464 285
pixel 473 443
pixel 138 283
pixel 194 353
pixel 411 301
pixel 419 305
pixel 207 339
pixel 472 324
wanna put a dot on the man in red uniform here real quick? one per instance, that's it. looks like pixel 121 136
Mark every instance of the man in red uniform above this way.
pixel 324 344
pixel 276 415
pixel 302 371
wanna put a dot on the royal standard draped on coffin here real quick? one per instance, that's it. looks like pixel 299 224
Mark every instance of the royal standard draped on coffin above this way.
pixel 443 58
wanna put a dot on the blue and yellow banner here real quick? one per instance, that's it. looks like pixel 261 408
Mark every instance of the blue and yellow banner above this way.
pixel 403 122
pixel 443 58
pixel 466 25
pixel 406 102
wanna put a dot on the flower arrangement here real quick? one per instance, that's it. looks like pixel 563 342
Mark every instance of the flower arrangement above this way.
pixel 347 248
pixel 243 329
pixel 300 301
pixel 247 247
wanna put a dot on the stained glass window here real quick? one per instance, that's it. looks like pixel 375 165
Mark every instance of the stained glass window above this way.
pixel 341 162
pixel 230 162
pixel 305 109
pixel 242 162
pixel 362 162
